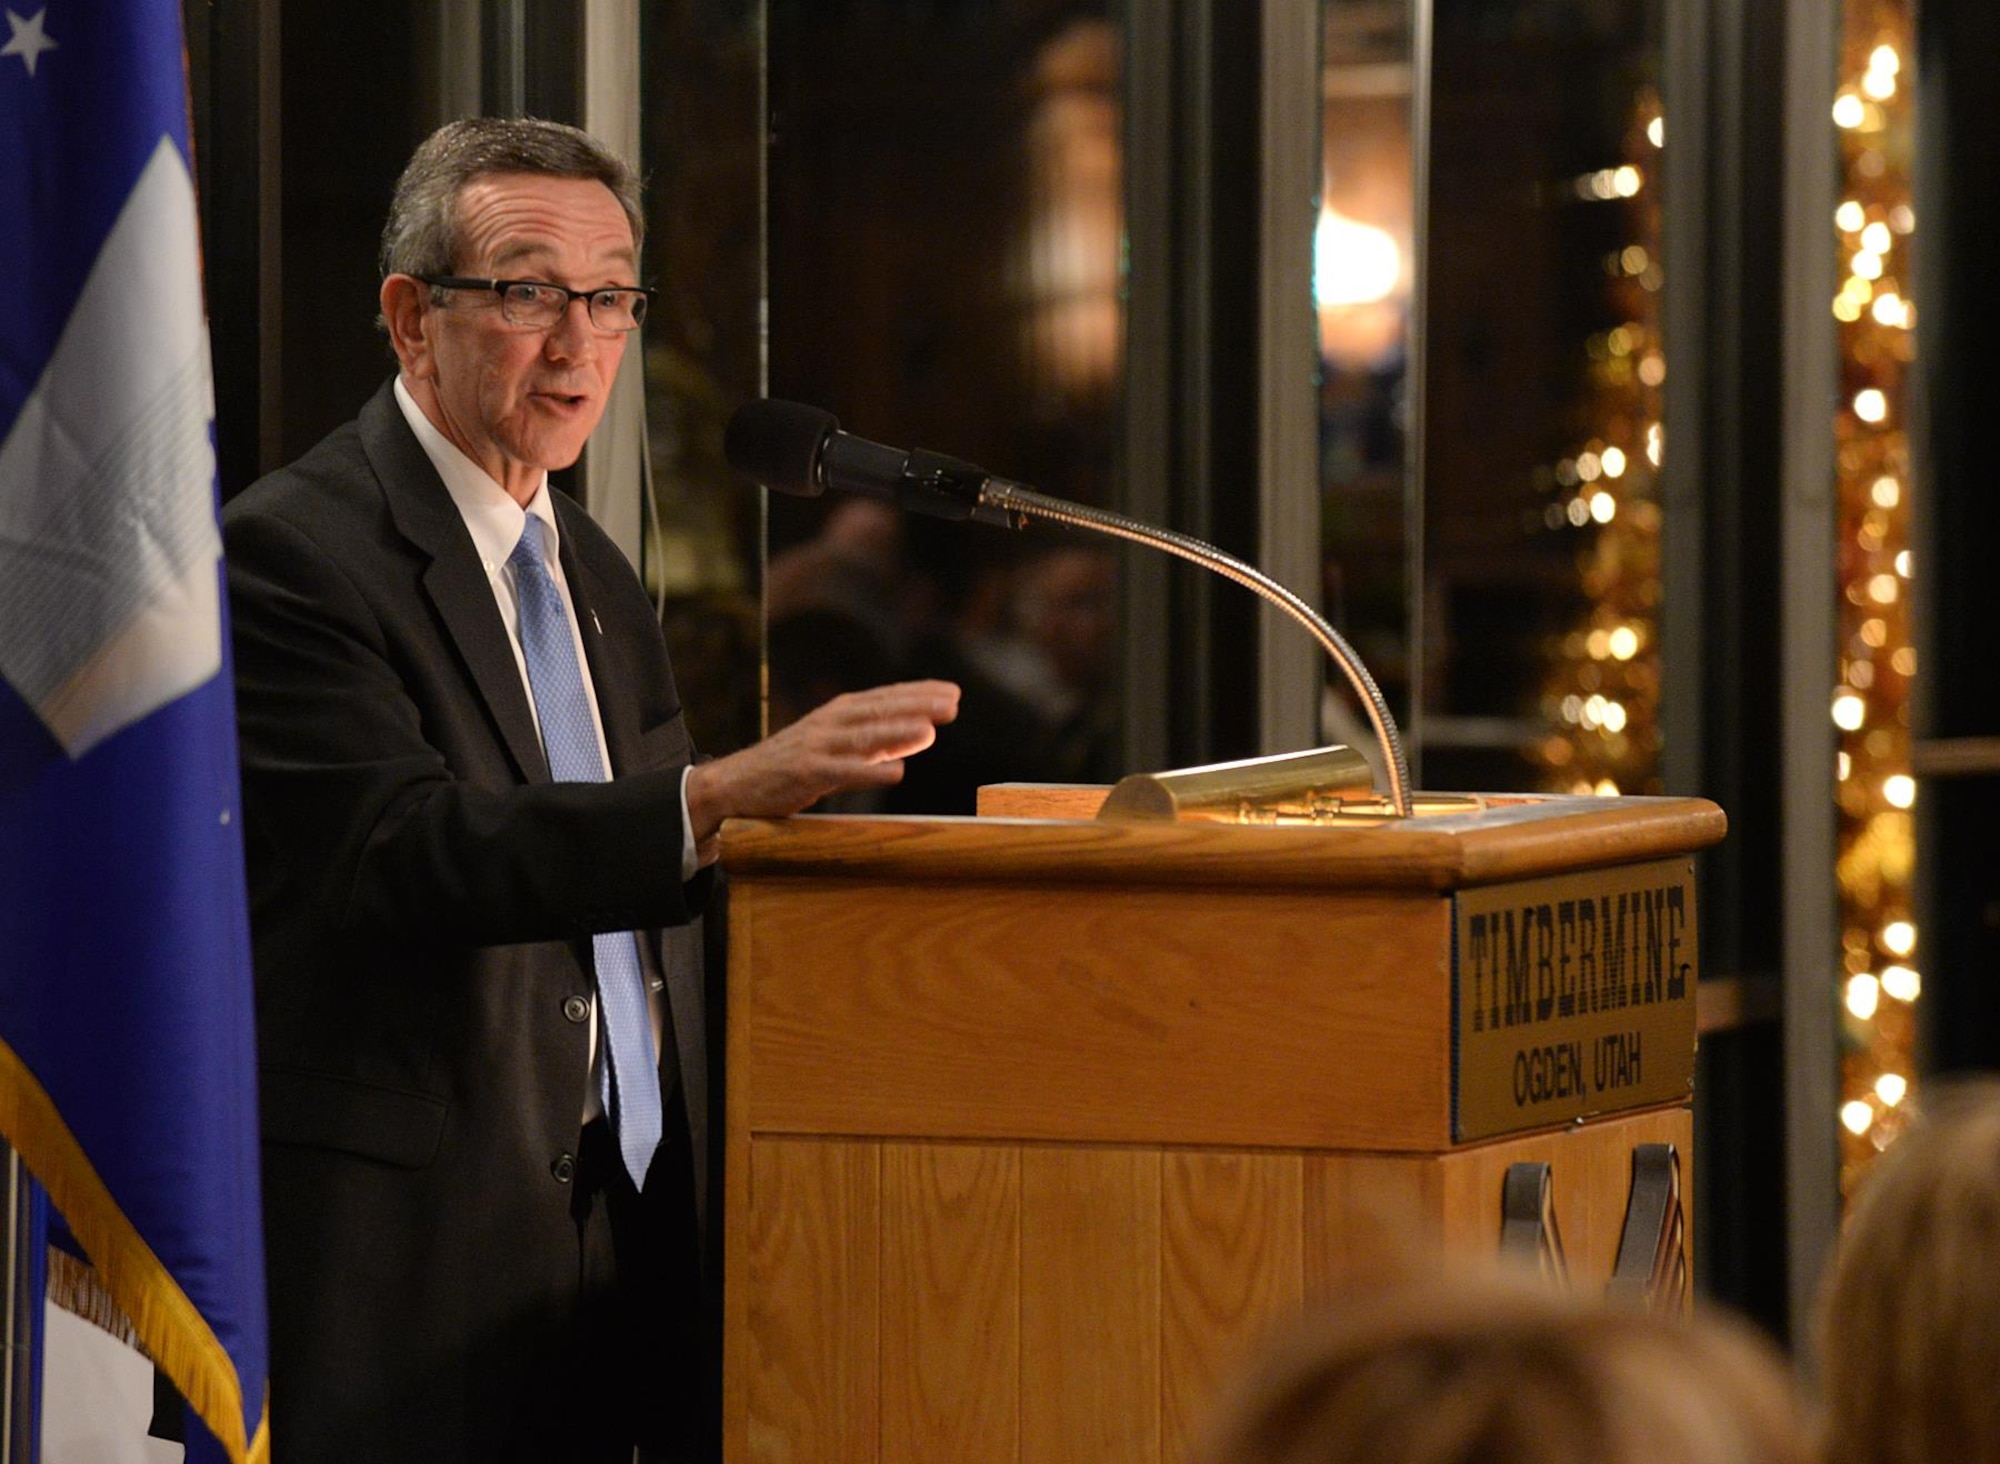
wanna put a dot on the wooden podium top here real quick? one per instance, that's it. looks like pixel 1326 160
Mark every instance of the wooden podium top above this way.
pixel 1405 985
pixel 1514 836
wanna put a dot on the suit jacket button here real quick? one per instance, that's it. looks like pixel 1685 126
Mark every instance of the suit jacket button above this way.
pixel 564 1168
pixel 576 1008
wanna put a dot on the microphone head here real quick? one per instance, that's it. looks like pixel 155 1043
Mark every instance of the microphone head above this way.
pixel 778 445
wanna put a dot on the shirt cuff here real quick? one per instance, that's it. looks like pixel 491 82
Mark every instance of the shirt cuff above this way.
pixel 690 859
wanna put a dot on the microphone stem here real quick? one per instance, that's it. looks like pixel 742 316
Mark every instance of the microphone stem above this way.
pixel 1026 502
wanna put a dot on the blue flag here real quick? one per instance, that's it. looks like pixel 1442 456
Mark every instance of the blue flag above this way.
pixel 127 1074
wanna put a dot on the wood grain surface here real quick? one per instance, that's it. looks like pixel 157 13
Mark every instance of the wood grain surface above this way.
pixel 1090 1303
pixel 810 1294
pixel 899 1300
pixel 951 1302
pixel 1528 836
pixel 991 1011
pixel 1231 1266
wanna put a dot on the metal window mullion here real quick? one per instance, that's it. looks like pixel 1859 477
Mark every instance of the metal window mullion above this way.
pixel 1811 911
pixel 1289 670
pixel 611 477
pixel 1147 464
pixel 1698 326
pixel 1423 34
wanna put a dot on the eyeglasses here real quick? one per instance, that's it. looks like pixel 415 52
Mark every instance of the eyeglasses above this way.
pixel 539 305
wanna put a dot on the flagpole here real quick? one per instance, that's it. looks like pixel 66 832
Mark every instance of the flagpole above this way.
pixel 17 1300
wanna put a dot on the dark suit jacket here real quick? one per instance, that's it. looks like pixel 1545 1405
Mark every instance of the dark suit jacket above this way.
pixel 422 898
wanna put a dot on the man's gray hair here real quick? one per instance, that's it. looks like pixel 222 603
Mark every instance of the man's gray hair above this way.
pixel 422 236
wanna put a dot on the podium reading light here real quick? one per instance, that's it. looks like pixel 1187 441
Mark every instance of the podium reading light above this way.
pixel 800 450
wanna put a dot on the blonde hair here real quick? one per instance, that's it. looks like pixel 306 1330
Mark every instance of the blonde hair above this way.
pixel 1484 1371
pixel 1910 1330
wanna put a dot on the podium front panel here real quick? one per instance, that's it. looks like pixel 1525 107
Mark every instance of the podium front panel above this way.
pixel 1035 1127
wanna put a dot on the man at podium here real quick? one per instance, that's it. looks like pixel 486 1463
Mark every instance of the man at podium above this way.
pixel 477 837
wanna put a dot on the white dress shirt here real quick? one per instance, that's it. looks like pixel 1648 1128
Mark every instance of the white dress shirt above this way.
pixel 495 522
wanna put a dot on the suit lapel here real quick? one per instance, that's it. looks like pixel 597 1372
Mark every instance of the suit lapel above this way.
pixel 455 581
pixel 587 592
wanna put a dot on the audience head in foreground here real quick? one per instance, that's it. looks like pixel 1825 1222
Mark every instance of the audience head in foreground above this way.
pixel 1481 1370
pixel 1911 1332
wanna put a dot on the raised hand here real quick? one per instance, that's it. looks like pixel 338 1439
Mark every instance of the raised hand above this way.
pixel 858 740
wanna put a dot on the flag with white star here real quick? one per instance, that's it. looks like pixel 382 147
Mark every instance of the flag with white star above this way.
pixel 127 1077
pixel 28 40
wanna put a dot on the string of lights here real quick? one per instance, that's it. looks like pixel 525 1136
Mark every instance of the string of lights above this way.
pixel 1872 116
pixel 1600 698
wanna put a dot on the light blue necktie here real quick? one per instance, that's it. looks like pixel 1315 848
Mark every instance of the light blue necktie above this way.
pixel 632 1074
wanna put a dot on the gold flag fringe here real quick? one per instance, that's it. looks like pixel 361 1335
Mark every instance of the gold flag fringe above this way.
pixel 74 1287
pixel 169 1326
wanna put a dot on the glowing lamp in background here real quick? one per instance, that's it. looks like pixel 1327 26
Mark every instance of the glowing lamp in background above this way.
pixel 1358 285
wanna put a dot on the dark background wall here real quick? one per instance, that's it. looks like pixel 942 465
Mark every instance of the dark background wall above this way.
pixel 1958 213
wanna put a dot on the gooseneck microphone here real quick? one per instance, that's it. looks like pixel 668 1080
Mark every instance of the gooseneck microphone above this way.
pixel 792 448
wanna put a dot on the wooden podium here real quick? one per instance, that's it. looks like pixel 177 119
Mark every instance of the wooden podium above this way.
pixel 1035 1124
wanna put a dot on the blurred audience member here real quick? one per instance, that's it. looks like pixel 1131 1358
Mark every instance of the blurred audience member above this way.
pixel 1910 1335
pixel 1027 627
pixel 1490 1370
pixel 1002 736
pixel 835 607
pixel 852 568
pixel 713 639
pixel 1066 611
pixel 1029 632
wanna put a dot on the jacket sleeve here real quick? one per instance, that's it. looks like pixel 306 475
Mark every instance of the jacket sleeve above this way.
pixel 376 793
